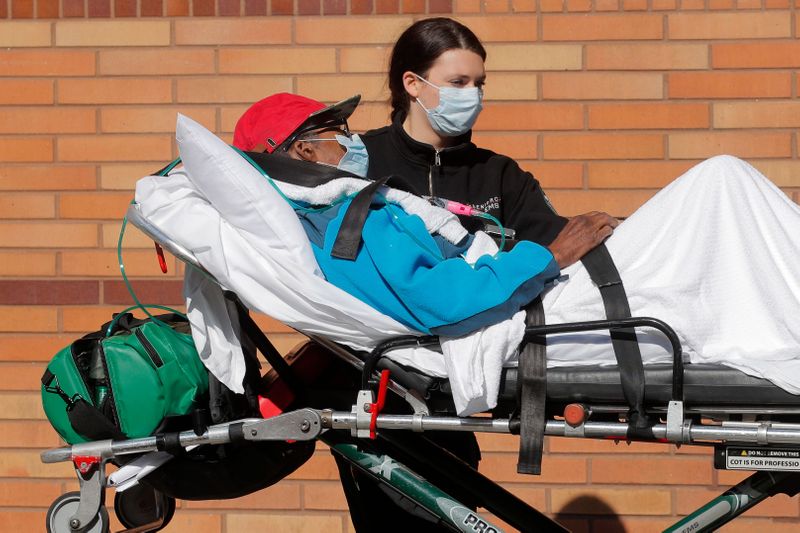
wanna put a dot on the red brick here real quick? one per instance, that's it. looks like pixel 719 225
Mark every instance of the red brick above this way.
pixel 45 9
pixel 22 9
pixel 32 120
pixel 602 146
pixel 20 319
pixel 149 62
pixel 667 471
pixel 308 7
pixel 776 4
pixel 26 91
pixel 608 86
pixel 230 89
pixel 634 5
pixel 27 434
pixel 23 493
pixel 552 6
pixel 495 6
pixel 618 203
pixel 413 6
pixel 255 8
pixel 601 27
pixel 152 8
pixel 99 8
pixel 502 28
pixel 604 446
pixel 756 55
pixel 729 84
pixel 576 6
pixel 728 25
pixel 748 4
pixel 555 175
pixel 740 144
pixel 114 148
pixel 203 8
pixel 508 116
pixel 664 5
pixel 115 91
pixel 635 174
pixel 43 178
pixel 639 501
pixel 27 264
pixel 277 60
pixel 757 115
pixel 72 8
pixel 103 263
pixel 229 8
pixel 361 7
pixel 30 348
pixel 26 150
pixel 27 206
pixel 41 292
pixel 695 5
pixel 23 377
pixel 515 145
pixel 387 7
pixel 440 6
pixel 130 119
pixel 93 205
pixel 124 8
pixel 47 63
pixel 163 292
pixel 647 116
pixel 3 9
pixel 177 8
pixel 349 30
pixel 47 235
pixel 330 523
pixel 334 7
pixel 282 7
pixel 645 56
pixel 247 32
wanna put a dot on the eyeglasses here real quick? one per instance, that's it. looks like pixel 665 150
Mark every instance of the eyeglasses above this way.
pixel 339 127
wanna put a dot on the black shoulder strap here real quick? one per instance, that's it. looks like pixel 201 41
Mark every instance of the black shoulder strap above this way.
pixel 604 274
pixel 532 394
pixel 87 420
pixel 349 237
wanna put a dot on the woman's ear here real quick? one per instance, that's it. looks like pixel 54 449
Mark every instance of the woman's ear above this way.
pixel 411 84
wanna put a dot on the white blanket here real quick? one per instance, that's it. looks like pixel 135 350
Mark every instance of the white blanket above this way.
pixel 714 254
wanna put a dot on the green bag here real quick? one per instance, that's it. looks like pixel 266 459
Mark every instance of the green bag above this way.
pixel 124 380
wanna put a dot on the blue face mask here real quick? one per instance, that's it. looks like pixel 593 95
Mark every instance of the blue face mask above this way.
pixel 356 159
pixel 457 111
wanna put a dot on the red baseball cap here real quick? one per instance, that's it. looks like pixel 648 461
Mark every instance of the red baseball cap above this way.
pixel 278 119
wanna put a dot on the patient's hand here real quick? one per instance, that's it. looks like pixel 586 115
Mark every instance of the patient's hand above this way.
pixel 581 234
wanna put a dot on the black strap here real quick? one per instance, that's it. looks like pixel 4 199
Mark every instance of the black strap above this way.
pixel 532 393
pixel 349 237
pixel 604 274
pixel 87 420
pixel 269 351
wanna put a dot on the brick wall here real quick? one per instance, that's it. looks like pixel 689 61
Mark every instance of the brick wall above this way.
pixel 604 100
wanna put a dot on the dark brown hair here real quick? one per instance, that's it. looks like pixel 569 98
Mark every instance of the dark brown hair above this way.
pixel 419 47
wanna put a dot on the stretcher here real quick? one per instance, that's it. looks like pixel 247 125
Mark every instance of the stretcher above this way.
pixel 752 425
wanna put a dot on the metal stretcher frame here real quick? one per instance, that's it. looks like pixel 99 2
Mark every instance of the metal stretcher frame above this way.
pixel 407 464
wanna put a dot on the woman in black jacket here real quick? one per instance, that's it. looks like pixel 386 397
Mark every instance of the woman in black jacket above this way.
pixel 436 78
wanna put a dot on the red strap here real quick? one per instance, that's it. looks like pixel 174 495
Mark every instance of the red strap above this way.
pixel 377 407
pixel 161 261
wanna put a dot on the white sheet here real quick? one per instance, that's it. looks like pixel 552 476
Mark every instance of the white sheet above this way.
pixel 715 254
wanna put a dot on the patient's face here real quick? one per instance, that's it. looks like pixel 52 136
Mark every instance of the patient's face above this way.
pixel 319 147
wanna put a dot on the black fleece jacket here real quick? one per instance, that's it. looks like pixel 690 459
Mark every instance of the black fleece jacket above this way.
pixel 465 173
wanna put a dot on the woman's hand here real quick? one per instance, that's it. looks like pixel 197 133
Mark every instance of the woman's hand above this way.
pixel 581 234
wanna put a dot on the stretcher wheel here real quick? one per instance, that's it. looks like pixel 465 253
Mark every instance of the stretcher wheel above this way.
pixel 141 505
pixel 62 510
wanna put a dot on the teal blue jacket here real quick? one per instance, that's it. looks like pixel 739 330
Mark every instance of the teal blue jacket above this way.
pixel 421 280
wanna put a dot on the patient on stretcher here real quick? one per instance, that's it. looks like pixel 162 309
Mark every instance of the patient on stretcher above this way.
pixel 713 254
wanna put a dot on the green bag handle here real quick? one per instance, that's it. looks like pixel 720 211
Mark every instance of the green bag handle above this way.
pixel 143 307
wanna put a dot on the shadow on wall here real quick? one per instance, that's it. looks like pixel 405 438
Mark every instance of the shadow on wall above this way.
pixel 588 508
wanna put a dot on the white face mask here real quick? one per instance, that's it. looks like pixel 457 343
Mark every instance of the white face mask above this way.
pixel 457 111
pixel 355 159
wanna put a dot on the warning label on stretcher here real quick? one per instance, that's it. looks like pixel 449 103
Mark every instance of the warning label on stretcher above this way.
pixel 762 459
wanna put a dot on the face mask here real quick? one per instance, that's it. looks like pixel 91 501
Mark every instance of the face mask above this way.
pixel 356 159
pixel 457 110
